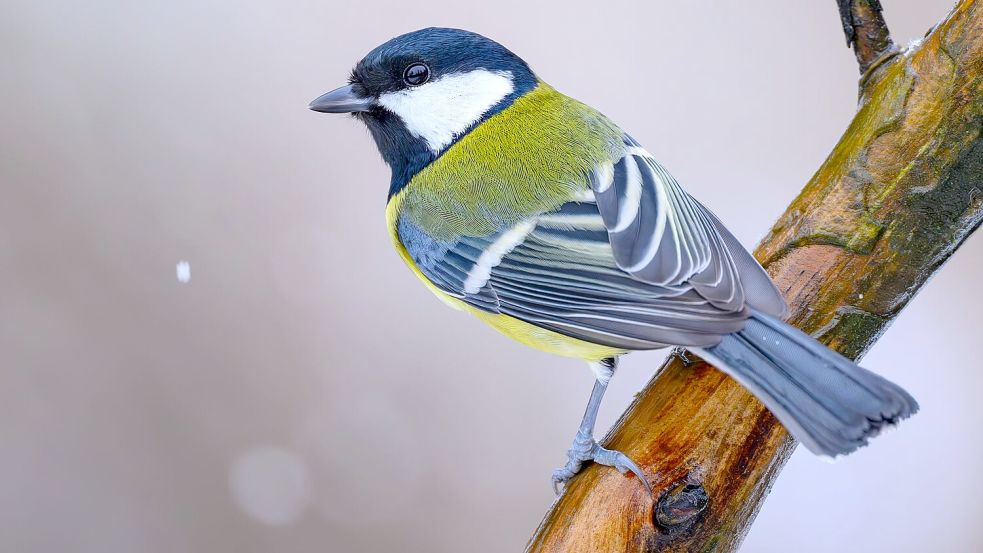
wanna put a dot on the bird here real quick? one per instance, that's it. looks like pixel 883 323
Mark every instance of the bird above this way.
pixel 544 219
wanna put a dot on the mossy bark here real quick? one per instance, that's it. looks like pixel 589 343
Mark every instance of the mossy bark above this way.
pixel 899 193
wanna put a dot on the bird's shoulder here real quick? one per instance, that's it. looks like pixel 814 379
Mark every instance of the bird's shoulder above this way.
pixel 530 158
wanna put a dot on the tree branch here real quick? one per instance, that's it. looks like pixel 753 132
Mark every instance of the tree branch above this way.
pixel 896 197
pixel 866 31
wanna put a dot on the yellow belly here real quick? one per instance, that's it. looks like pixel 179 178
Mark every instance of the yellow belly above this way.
pixel 519 330
pixel 540 338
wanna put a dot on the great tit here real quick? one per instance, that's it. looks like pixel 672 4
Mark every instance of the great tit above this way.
pixel 538 215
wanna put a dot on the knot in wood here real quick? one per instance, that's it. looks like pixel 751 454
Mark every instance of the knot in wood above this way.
pixel 679 506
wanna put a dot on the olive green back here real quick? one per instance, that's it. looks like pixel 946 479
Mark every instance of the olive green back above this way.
pixel 530 158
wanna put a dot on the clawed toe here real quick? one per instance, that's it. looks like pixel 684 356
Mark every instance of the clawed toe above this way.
pixel 583 451
pixel 561 477
pixel 622 463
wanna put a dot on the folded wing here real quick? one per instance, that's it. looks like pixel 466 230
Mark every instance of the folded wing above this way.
pixel 661 235
pixel 632 263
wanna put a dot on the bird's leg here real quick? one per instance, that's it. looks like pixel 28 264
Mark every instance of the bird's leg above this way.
pixel 584 447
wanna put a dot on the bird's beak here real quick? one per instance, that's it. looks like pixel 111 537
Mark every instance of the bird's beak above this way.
pixel 341 100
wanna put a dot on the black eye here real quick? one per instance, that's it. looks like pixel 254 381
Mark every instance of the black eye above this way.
pixel 416 74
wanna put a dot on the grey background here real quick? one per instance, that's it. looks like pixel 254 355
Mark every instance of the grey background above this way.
pixel 303 392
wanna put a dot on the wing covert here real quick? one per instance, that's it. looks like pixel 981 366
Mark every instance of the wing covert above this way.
pixel 661 235
pixel 558 271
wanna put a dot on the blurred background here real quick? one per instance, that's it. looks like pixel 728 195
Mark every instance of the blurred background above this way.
pixel 301 391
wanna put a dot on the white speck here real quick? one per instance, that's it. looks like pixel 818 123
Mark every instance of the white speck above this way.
pixel 183 272
pixel 270 485
pixel 861 296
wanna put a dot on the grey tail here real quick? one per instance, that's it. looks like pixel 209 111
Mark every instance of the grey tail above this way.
pixel 826 401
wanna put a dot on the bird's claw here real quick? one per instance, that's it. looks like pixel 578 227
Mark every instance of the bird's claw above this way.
pixel 681 354
pixel 561 476
pixel 585 449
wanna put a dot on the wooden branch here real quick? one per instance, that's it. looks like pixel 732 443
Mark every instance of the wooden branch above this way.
pixel 898 194
pixel 866 31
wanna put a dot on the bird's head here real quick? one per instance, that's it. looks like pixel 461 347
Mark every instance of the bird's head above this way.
pixel 420 92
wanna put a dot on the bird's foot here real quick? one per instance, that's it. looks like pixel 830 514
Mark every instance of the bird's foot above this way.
pixel 584 449
pixel 681 354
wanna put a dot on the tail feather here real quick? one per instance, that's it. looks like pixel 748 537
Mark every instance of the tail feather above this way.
pixel 826 401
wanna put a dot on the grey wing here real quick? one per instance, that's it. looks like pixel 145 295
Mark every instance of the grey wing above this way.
pixel 662 236
pixel 558 271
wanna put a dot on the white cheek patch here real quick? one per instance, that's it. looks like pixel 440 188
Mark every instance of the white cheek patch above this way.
pixel 442 109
